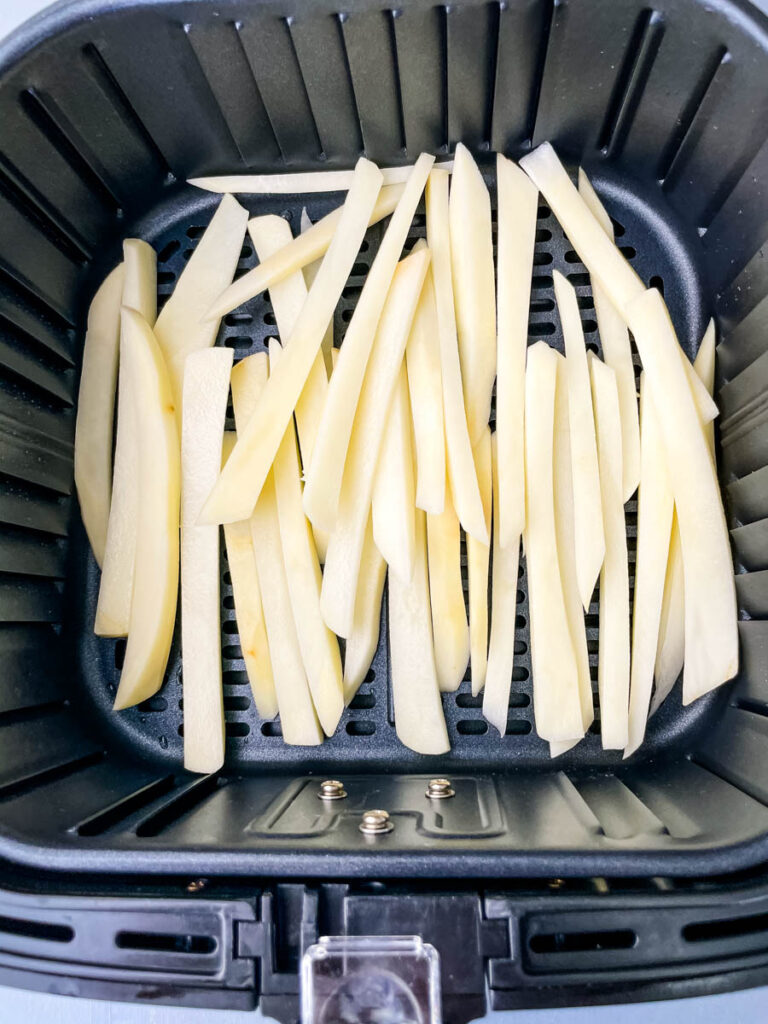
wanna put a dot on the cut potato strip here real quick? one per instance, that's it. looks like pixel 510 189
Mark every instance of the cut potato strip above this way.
pixel 242 478
pixel 140 289
pixel 613 656
pixel 518 209
pixel 310 273
pixel 449 613
pixel 96 410
pixel 394 521
pixel 469 222
pixel 301 183
pixel 324 476
pixel 501 649
pixel 319 647
pixel 654 524
pixel 422 357
pixel 478 559
pixel 704 367
pixel 587 510
pixel 557 707
pixel 303 250
pixel 345 546
pixel 462 476
pixel 711 633
pixel 364 638
pixel 205 395
pixel 180 328
pixel 617 353
pixel 419 719
pixel 156 574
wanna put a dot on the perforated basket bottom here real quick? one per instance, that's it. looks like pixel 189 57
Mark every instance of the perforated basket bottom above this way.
pixel 366 735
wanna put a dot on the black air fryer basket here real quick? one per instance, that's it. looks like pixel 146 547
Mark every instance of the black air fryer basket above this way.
pixel 540 882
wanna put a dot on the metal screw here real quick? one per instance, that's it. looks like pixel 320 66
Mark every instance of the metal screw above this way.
pixel 375 823
pixel 440 789
pixel 331 789
pixel 198 885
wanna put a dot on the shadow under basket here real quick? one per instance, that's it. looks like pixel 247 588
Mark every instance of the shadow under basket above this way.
pixel 106 111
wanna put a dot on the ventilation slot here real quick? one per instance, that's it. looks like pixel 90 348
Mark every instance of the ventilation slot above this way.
pixel 582 942
pixel 36 930
pixel 118 812
pixel 730 928
pixel 154 942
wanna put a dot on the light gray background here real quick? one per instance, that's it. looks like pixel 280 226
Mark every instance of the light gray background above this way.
pixel 34 1008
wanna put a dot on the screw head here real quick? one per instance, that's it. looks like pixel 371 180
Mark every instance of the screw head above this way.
pixel 375 823
pixel 331 789
pixel 440 789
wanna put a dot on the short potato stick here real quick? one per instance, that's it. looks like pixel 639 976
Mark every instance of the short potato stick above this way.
pixel 342 564
pixel 422 357
pixel 180 328
pixel 501 649
pixel 461 467
pixel 617 353
pixel 419 719
pixel 96 409
pixel 156 573
pixel 298 183
pixel 587 509
pixel 393 509
pixel 555 674
pixel 364 638
pixel 206 390
pixel 323 479
pixel 654 524
pixel 518 201
pixel 306 248
pixel 310 273
pixel 242 478
pixel 613 655
pixel 449 613
pixel 469 220
pixel 478 560
pixel 140 289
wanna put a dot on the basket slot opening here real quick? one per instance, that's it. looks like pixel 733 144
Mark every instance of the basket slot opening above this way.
pixel 729 928
pixel 154 942
pixel 36 930
pixel 582 942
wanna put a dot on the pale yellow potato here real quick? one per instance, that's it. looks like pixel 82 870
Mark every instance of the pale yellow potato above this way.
pixel 140 288
pixel 304 249
pixel 449 614
pixel 462 476
pixel 704 367
pixel 617 353
pixel 394 488
pixel 518 200
pixel 469 222
pixel 180 328
pixel 587 508
pixel 342 564
pixel 364 638
pixel 298 183
pixel 478 560
pixel 501 648
pixel 205 394
pixel 324 477
pixel 156 573
pixel 310 273
pixel 96 409
pixel 241 480
pixel 419 718
pixel 556 703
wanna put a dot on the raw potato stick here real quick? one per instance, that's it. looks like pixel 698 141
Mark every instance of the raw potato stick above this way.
pixel 156 573
pixel 518 201
pixel 501 649
pixel 364 638
pixel 478 560
pixel 298 183
pixel 654 523
pixel 206 390
pixel 95 411
pixel 303 250
pixel 422 357
pixel 180 328
pixel 469 221
pixel 587 508
pixel 140 288
pixel 323 480
pixel 297 713
pixel 310 273
pixel 613 655
pixel 555 676
pixel 462 475
pixel 393 509
pixel 249 612
pixel 617 353
pixel 342 565
pixel 449 613
pixel 419 719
